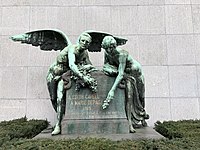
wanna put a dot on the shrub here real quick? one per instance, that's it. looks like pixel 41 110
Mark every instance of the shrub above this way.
pixel 11 131
pixel 179 129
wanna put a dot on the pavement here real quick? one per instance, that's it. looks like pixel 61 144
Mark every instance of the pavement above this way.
pixel 141 133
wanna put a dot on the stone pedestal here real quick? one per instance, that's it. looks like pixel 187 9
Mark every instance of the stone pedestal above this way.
pixel 84 114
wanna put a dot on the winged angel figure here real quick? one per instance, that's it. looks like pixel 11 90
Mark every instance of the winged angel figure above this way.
pixel 72 61
pixel 118 62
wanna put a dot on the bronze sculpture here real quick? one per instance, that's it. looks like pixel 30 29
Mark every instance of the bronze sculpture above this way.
pixel 73 63
pixel 117 62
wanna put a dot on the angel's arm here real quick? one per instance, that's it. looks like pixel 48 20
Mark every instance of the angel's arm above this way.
pixel 72 60
pixel 74 67
pixel 121 68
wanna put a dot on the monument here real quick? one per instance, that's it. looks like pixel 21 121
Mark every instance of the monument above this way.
pixel 84 113
pixel 91 99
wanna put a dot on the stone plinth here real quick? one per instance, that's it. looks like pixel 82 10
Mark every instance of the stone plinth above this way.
pixel 84 113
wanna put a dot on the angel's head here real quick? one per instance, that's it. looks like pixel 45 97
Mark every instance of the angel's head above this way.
pixel 84 40
pixel 109 44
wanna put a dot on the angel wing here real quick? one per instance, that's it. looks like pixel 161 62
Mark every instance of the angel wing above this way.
pixel 54 39
pixel 47 39
pixel 97 38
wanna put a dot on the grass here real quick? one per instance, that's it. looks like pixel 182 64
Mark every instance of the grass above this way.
pixel 17 135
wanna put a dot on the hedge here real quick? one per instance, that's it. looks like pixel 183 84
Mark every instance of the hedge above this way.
pixel 180 135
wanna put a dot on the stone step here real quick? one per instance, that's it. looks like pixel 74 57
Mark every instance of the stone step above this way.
pixel 142 133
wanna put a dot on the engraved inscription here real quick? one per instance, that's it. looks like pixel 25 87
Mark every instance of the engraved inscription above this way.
pixel 81 96
pixel 87 105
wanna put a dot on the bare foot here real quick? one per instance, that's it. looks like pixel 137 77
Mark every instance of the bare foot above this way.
pixel 131 129
pixel 56 130
pixel 144 123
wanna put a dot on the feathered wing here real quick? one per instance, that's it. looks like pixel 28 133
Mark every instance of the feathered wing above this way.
pixel 97 38
pixel 47 39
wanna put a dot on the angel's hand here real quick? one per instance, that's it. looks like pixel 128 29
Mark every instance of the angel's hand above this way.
pixel 105 105
pixel 87 79
pixel 56 78
pixel 86 67
pixel 110 97
pixel 110 70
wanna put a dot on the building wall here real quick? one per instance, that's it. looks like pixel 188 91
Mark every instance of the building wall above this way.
pixel 163 35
